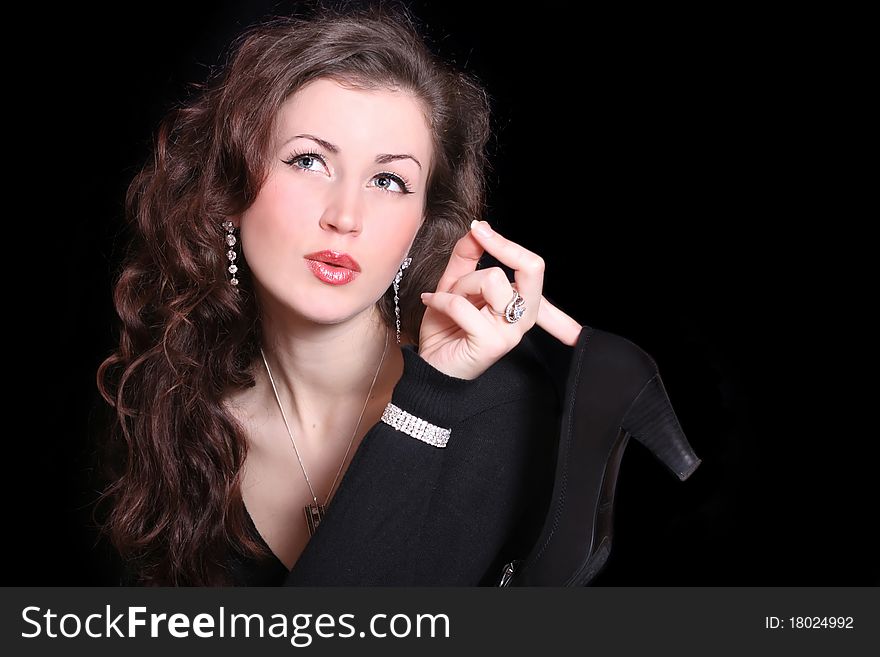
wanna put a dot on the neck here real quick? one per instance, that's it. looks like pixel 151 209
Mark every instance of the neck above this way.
pixel 323 373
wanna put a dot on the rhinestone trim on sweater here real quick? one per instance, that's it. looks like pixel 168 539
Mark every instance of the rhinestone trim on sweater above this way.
pixel 415 426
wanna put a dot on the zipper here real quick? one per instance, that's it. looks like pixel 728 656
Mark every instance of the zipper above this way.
pixel 507 574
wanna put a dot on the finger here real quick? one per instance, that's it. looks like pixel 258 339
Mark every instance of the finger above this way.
pixel 462 312
pixel 528 267
pixel 514 255
pixel 464 259
pixel 557 323
pixel 491 284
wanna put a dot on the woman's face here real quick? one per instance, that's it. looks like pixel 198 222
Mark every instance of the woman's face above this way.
pixel 333 195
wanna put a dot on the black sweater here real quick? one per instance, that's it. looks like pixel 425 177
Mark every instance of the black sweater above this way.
pixel 407 513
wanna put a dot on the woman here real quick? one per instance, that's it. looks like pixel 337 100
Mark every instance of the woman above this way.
pixel 289 408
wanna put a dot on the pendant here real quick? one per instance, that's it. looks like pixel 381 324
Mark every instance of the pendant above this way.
pixel 314 515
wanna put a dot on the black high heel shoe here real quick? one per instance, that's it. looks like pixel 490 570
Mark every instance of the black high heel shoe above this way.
pixel 613 392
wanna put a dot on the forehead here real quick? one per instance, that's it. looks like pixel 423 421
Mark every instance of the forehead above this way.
pixel 356 120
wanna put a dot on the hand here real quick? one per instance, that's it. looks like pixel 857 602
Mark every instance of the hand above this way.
pixel 460 335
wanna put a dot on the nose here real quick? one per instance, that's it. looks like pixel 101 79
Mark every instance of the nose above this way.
pixel 342 213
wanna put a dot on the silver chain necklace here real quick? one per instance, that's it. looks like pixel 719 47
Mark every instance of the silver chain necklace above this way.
pixel 315 511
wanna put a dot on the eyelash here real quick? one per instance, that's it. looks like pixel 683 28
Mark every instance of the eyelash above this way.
pixel 403 182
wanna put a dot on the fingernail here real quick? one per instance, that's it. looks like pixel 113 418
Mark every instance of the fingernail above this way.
pixel 481 228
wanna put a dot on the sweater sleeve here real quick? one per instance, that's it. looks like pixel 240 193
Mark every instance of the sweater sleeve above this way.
pixel 407 513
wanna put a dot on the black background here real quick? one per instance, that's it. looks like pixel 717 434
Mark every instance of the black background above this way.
pixel 653 159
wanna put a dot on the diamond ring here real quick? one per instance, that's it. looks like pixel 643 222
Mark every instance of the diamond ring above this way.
pixel 514 310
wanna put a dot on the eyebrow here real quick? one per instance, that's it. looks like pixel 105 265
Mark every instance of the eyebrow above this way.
pixel 382 158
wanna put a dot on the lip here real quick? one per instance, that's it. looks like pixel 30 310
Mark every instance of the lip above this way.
pixel 332 267
pixel 334 258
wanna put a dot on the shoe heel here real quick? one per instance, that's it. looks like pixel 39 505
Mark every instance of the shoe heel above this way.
pixel 651 420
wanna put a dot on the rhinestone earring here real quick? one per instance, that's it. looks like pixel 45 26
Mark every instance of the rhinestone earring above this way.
pixel 397 278
pixel 231 254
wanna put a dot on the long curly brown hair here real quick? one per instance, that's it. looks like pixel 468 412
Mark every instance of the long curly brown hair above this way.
pixel 172 454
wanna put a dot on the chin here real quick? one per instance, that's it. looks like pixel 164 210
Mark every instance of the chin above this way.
pixel 325 304
pixel 325 312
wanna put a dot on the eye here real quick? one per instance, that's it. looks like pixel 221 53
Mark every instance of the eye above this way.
pixel 400 181
pixel 310 157
pixel 304 157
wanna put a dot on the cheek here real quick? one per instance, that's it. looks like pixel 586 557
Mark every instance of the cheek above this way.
pixel 280 205
pixel 394 233
pixel 392 239
pixel 274 223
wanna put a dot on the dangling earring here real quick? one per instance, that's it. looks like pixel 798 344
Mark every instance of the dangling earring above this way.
pixel 397 278
pixel 230 254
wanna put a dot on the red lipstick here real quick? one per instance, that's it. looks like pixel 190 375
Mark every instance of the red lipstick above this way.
pixel 333 267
